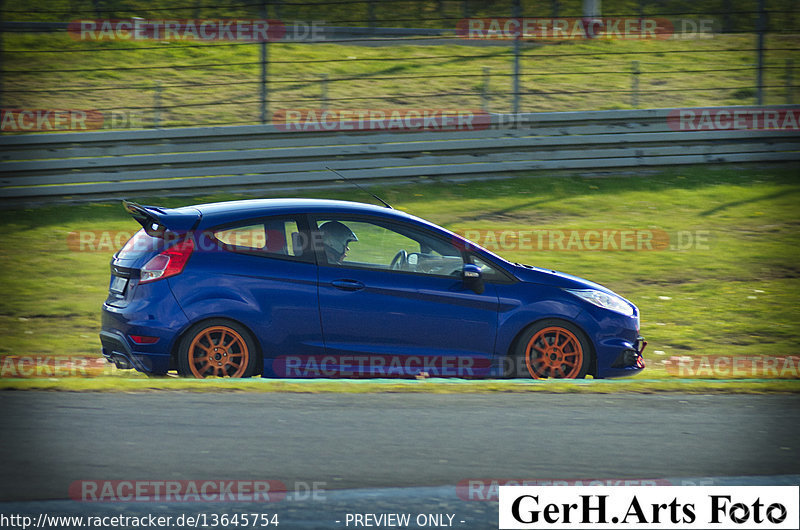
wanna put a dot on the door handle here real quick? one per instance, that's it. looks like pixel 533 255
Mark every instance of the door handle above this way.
pixel 348 285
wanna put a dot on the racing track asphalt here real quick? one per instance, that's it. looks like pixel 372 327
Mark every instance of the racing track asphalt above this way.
pixel 382 440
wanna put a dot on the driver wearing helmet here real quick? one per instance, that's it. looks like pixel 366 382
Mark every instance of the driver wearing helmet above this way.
pixel 335 238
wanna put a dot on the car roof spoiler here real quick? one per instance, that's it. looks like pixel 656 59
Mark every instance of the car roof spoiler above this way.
pixel 156 220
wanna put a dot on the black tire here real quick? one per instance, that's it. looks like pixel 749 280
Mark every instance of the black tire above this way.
pixel 552 348
pixel 217 347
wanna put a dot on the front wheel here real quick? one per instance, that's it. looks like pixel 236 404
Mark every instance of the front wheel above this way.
pixel 553 349
pixel 217 348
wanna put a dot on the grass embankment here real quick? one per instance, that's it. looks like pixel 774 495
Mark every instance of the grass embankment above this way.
pixel 219 84
pixel 726 284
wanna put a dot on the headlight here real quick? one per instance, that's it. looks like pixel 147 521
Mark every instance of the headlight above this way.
pixel 604 300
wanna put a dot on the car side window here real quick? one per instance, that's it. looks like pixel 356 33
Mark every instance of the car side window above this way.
pixel 391 247
pixel 280 238
pixel 489 272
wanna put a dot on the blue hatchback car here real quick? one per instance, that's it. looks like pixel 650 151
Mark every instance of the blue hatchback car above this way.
pixel 321 288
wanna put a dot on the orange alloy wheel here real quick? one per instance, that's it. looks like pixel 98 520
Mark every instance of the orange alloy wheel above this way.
pixel 218 351
pixel 554 352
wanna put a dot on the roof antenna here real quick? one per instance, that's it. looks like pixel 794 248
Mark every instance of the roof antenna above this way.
pixel 354 183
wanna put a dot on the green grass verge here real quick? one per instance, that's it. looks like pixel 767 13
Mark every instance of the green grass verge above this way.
pixel 732 293
pixel 120 384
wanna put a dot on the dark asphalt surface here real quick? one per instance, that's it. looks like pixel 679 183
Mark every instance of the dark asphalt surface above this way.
pixel 374 441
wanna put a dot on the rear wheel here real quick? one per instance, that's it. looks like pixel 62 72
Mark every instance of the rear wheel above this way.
pixel 553 349
pixel 218 348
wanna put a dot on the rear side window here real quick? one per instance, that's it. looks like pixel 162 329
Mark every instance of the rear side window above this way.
pixel 253 237
pixel 279 238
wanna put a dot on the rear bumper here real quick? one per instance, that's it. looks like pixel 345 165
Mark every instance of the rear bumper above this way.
pixel 152 312
pixel 116 350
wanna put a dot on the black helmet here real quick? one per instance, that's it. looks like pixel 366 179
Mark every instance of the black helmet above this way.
pixel 336 236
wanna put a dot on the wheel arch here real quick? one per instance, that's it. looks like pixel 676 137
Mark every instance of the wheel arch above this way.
pixel 510 354
pixel 176 344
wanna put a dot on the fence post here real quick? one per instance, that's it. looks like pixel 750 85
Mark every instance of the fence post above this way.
pixel 727 9
pixel 485 89
pixel 1 55
pixel 591 14
pixel 761 29
pixel 157 106
pixel 371 13
pixel 324 93
pixel 264 59
pixel 517 13
pixel 635 84
pixel 789 95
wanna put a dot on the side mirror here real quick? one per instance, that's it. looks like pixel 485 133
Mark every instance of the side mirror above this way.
pixel 472 277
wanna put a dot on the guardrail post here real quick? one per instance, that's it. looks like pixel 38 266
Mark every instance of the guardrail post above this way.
pixel 157 106
pixel 789 95
pixel 635 72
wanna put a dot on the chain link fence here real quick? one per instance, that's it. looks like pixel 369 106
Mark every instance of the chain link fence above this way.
pixel 130 64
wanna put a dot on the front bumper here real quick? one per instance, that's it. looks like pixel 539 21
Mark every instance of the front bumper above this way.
pixel 629 361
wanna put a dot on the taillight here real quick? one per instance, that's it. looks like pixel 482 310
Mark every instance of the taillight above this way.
pixel 168 263
pixel 143 339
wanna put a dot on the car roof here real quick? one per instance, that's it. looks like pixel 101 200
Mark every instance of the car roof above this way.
pixel 218 213
pixel 231 211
